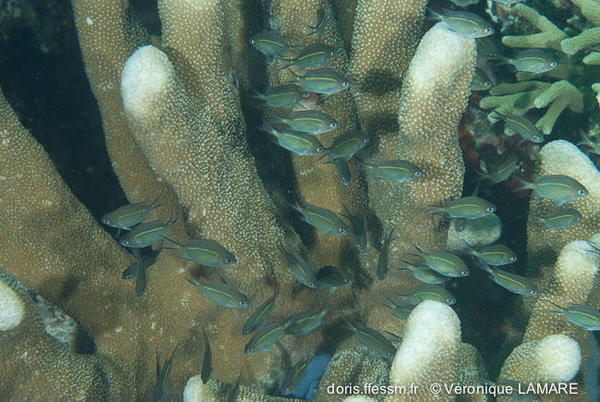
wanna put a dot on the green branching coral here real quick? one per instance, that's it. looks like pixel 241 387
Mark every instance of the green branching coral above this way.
pixel 555 97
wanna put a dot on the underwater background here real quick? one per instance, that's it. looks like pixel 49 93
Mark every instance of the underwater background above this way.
pixel 311 181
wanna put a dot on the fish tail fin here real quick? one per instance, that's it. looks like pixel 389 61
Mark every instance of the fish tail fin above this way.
pixel 524 185
pixel 266 127
pixel 254 94
pixel 157 202
pixel 496 115
pixel 193 281
pixel 171 246
pixel 293 73
pixel 349 325
pixel 437 210
pixel 555 305
pixel 470 248
pixel 362 165
pixel 346 213
pixel 433 15
pixel 483 266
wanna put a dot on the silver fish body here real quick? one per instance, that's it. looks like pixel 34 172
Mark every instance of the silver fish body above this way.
pixel 382 261
pixel 330 277
pixel 301 270
pixel 269 43
pixel 470 207
pixel 312 56
pixel 323 81
pixel 297 142
pixel 445 263
pixel 583 316
pixel 512 282
pixel 221 293
pixel 343 170
pixel 145 234
pixel 373 340
pixel 205 252
pixel 346 145
pixel 260 315
pixel 503 171
pixel 294 376
pixel 127 216
pixel 285 96
pixel 309 121
pixel 323 219
pixel 520 125
pixel 559 218
pixel 397 170
pixel 496 254
pixel 535 61
pixel 306 322
pixel 266 337
pixel 559 188
pixel 430 292
pixel 465 23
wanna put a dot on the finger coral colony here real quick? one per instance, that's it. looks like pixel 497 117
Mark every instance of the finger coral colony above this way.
pixel 318 204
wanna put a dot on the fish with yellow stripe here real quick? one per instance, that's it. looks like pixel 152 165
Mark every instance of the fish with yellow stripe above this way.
pixel 520 125
pixel 373 340
pixel 578 314
pixel 205 252
pixel 127 216
pixel 270 43
pixel 397 170
pixel 321 218
pixel 322 81
pixel 512 282
pixel 311 57
pixel 146 234
pixel 295 141
pixel 260 315
pixel 221 293
pixel 309 121
pixel 267 336
pixel 495 254
pixel 559 218
pixel 464 23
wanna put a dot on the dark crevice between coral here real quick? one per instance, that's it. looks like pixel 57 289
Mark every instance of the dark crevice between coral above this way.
pixel 43 78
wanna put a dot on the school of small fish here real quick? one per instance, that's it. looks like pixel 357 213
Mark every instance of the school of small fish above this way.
pixel 296 129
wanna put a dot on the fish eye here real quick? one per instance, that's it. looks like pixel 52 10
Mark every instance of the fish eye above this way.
pixel 346 83
pixel 487 84
pixel 513 259
pixel 418 174
pixel 333 125
pixel 581 192
pixel 464 273
pixel 366 140
pixel 449 301
pixel 305 94
pixel 252 41
pixel 342 230
pixel 536 138
pixel 243 303
pixel 311 284
pixel 533 292
pixel 250 350
pixel 124 242
pixel 319 149
pixel 490 209
pixel 553 64
pixel 228 261
pixel 106 221
pixel 488 30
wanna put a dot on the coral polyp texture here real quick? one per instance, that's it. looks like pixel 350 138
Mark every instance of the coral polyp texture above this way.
pixel 183 114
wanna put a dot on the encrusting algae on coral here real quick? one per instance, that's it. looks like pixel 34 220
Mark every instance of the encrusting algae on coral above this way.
pixel 291 184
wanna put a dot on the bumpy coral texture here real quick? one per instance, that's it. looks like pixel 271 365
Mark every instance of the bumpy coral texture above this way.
pixel 174 129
